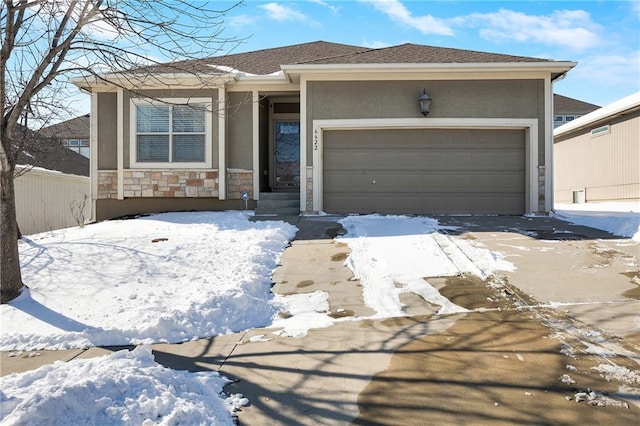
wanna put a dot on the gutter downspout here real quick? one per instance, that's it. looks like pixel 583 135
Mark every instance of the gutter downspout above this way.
pixel 550 172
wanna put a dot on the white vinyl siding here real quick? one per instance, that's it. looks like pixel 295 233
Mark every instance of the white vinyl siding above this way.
pixel 47 200
pixel 172 133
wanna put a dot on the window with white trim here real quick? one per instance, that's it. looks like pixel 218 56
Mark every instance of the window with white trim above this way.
pixel 171 133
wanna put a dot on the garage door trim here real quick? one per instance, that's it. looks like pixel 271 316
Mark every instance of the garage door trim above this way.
pixel 529 125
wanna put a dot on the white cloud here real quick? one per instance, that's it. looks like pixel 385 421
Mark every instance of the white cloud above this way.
pixel 332 8
pixel 376 44
pixel 279 12
pixel 240 21
pixel 426 24
pixel 572 29
pixel 610 70
pixel 635 8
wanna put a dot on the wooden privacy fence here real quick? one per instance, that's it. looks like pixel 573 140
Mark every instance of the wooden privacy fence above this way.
pixel 48 200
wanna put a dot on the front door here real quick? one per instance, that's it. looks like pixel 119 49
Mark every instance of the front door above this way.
pixel 287 154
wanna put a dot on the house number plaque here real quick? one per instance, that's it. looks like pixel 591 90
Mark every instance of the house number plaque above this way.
pixel 316 138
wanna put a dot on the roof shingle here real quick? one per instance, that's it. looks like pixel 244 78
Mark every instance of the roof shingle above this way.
pixel 268 61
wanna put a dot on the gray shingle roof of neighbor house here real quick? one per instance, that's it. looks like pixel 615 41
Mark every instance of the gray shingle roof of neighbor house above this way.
pixel 566 105
pixel 40 151
pixel 268 61
pixel 623 106
pixel 75 128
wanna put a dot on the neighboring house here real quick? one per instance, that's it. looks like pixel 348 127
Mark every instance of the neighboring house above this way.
pixel 51 186
pixel 338 125
pixel 597 156
pixel 568 109
pixel 73 134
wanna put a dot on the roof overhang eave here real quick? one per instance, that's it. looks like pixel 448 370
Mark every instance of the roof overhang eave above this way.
pixel 152 80
pixel 276 77
pixel 556 67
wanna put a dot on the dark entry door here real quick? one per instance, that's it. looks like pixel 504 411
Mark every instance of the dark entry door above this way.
pixel 287 154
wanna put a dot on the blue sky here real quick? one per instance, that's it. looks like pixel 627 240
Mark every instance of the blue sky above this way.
pixel 602 36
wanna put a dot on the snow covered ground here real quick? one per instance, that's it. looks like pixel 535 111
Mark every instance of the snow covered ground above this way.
pixel 619 218
pixel 176 277
pixel 126 388
pixel 179 276
pixel 170 277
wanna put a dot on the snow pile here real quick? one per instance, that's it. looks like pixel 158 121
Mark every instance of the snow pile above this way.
pixel 618 218
pixel 127 387
pixel 170 277
pixel 598 399
pixel 619 373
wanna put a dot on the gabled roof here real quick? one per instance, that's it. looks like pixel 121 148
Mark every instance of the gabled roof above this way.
pixel 622 106
pixel 268 61
pixel 76 128
pixel 319 56
pixel 565 105
pixel 409 53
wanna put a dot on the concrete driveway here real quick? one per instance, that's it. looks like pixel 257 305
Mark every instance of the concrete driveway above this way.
pixel 514 359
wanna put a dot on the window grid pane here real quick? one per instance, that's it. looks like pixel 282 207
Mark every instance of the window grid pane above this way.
pixel 188 119
pixel 153 148
pixel 152 119
pixel 188 148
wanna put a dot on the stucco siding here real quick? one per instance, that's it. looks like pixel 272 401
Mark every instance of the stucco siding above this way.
pixel 605 166
pixel 107 131
pixel 450 99
pixel 239 130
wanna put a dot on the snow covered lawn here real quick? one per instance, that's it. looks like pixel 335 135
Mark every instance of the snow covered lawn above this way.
pixel 169 277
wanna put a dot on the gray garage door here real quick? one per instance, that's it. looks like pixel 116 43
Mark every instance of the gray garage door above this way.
pixel 424 171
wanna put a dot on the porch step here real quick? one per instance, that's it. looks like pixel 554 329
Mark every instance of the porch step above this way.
pixel 278 203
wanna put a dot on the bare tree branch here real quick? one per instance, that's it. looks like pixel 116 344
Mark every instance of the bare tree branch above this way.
pixel 45 43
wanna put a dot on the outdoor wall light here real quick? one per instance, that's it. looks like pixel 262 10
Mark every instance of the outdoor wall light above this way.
pixel 425 102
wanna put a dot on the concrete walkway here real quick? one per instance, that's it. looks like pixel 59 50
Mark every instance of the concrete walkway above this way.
pixel 502 363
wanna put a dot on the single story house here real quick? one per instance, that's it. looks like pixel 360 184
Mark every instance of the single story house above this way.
pixel 348 129
pixel 597 156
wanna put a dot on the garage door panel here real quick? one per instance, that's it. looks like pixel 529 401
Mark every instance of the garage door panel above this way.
pixel 460 182
pixel 424 171
pixel 424 159
pixel 416 203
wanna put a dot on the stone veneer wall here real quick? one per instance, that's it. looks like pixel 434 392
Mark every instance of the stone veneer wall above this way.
pixel 309 206
pixel 172 184
pixel 238 181
pixel 107 184
pixel 541 190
